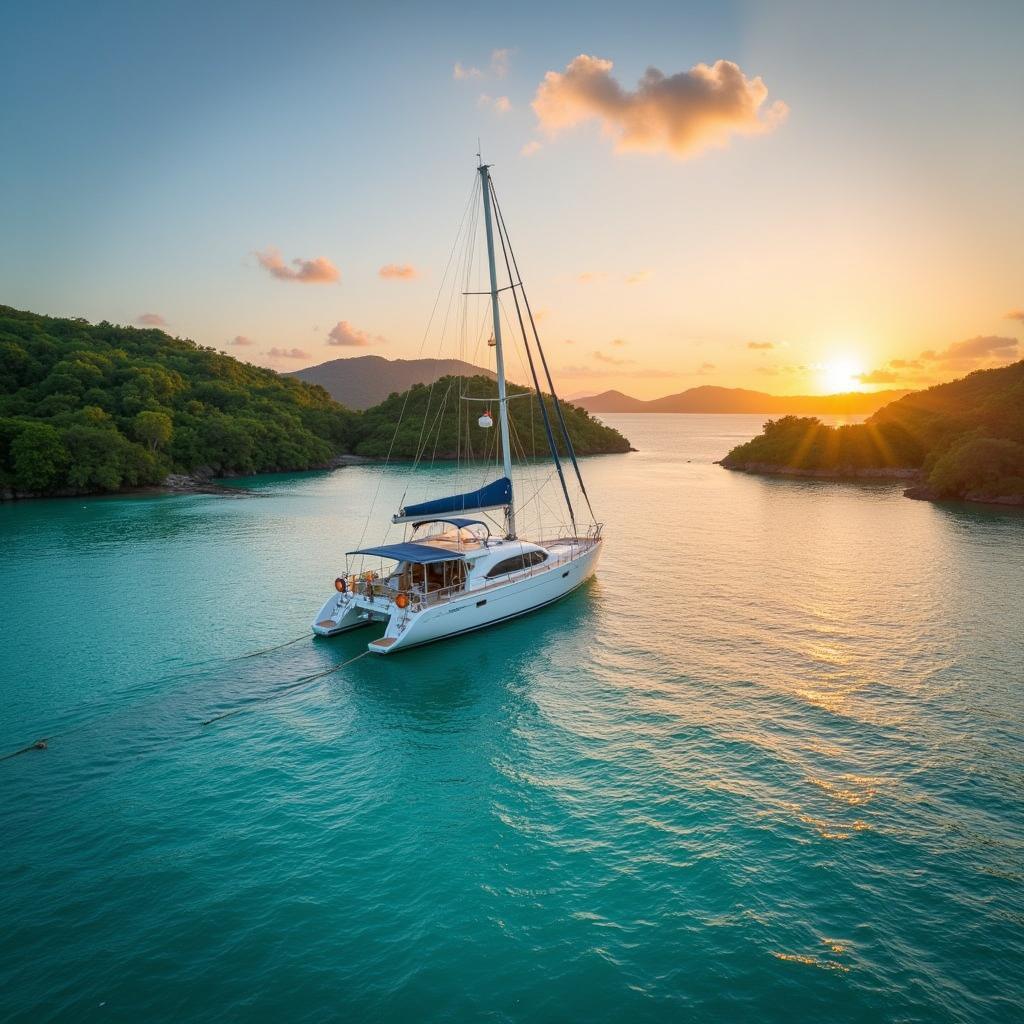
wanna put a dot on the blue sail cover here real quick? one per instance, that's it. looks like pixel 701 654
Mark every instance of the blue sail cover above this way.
pixel 492 495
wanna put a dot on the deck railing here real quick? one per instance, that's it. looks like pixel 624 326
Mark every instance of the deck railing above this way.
pixel 376 587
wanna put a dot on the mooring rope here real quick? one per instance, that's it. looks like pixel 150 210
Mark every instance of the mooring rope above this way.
pixel 297 685
pixel 266 650
pixel 38 745
pixel 43 742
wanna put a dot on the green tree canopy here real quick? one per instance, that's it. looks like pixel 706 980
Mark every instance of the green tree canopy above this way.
pixel 966 437
pixel 153 428
pixel 38 456
pixel 92 407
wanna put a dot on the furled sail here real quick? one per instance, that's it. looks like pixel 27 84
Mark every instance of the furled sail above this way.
pixel 496 494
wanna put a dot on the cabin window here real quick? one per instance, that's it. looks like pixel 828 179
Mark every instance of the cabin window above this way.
pixel 518 563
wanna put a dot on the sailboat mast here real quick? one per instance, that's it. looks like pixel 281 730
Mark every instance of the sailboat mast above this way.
pixel 506 448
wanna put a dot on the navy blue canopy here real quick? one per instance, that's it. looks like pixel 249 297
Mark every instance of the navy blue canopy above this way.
pixel 457 523
pixel 493 495
pixel 411 553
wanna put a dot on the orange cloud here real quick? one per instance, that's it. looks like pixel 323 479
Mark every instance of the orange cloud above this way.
pixel 1015 314
pixel 241 339
pixel 397 272
pixel 589 276
pixel 601 357
pixel 498 68
pixel 882 376
pixel 499 104
pixel 973 350
pixel 316 271
pixel 343 333
pixel 619 342
pixel 760 346
pixel 638 277
pixel 681 114
pixel 499 62
pixel 151 320
pixel 530 148
pixel 970 354
pixel 287 353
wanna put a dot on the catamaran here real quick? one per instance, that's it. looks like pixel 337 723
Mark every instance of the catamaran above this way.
pixel 455 572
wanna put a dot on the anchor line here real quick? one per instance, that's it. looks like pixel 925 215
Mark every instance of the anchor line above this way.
pixel 297 685
pixel 43 742
pixel 39 744
pixel 255 654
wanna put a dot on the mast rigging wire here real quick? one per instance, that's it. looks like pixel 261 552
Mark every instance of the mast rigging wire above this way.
pixel 551 385
pixel 529 356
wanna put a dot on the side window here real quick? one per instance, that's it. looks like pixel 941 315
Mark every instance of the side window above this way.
pixel 507 566
pixel 510 565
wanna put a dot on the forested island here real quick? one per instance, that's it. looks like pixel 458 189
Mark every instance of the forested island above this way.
pixel 961 440
pixel 88 408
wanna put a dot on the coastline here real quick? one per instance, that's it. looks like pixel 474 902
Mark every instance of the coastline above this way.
pixel 200 481
pixel 204 480
pixel 919 491
pixel 839 473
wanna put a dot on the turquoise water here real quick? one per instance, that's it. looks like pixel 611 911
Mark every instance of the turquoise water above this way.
pixel 768 764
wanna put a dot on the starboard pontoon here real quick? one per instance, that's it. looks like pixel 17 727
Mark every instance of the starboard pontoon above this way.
pixel 452 574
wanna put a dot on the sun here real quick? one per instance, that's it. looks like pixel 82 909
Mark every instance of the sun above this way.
pixel 840 374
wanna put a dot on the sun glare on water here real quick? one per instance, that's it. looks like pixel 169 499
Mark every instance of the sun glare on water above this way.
pixel 840 374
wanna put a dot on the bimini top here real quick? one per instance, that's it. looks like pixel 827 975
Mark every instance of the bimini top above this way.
pixel 496 494
pixel 410 552
pixel 459 524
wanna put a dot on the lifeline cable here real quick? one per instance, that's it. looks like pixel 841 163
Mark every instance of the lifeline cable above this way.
pixel 298 684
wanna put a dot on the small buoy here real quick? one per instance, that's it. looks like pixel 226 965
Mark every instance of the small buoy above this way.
pixel 402 600
pixel 485 420
pixel 491 343
pixel 40 744
pixel 340 585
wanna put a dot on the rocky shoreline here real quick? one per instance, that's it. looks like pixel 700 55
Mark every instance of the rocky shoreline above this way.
pixel 839 473
pixel 919 490
pixel 203 480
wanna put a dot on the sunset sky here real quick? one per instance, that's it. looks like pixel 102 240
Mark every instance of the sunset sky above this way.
pixel 837 204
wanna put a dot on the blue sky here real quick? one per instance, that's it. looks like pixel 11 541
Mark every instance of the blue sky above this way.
pixel 150 152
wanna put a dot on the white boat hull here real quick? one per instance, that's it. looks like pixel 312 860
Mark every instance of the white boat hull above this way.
pixel 471 610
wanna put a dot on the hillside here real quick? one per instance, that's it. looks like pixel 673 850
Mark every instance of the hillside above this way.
pixel 440 423
pixel 965 439
pixel 711 399
pixel 86 408
pixel 612 401
pixel 96 407
pixel 362 381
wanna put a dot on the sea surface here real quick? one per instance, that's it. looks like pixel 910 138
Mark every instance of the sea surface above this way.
pixel 768 765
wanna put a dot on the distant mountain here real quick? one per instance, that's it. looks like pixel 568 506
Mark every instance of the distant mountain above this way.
pixel 612 401
pixel 715 399
pixel 362 381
